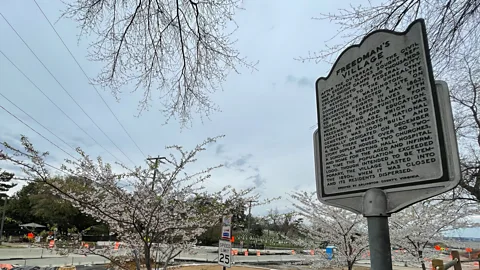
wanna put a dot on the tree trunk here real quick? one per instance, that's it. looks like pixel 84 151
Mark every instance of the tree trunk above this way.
pixel 148 262
pixel 420 255
pixel 137 259
pixel 168 258
pixel 350 265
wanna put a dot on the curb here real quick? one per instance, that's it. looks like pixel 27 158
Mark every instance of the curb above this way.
pixel 34 258
pixel 204 262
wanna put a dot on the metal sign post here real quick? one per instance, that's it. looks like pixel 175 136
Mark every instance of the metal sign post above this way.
pixel 375 210
pixel 224 244
pixel 385 137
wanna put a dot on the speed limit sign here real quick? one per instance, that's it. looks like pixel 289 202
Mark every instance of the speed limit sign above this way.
pixel 224 251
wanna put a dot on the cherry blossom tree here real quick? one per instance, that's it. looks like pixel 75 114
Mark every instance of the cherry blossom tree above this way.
pixel 327 224
pixel 155 217
pixel 417 228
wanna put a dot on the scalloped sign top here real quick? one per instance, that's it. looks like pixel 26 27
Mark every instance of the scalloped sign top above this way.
pixel 378 116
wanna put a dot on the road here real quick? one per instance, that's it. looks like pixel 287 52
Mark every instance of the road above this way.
pixel 201 255
pixel 37 256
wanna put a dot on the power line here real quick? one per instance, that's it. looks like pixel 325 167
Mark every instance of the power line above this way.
pixel 54 144
pixel 31 117
pixel 65 90
pixel 55 104
pixel 49 165
pixel 86 76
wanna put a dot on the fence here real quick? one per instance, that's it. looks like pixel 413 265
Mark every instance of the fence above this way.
pixel 456 262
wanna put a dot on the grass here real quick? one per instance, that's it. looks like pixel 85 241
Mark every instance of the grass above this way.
pixel 4 245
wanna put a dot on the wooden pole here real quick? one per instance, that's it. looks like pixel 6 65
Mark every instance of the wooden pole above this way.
pixel 456 255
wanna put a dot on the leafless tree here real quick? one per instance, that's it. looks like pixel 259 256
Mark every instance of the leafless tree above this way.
pixel 179 51
pixel 452 26
pixel 464 77
pixel 453 29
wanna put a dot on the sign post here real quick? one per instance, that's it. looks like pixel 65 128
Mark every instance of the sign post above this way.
pixel 225 243
pixel 385 137
pixel 375 210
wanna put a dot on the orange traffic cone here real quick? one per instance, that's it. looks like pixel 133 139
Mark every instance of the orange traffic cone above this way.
pixel 312 252
pixel 293 252
pixel 246 253
pixel 258 253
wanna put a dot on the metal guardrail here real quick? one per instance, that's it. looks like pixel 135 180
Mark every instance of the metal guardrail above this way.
pixel 456 262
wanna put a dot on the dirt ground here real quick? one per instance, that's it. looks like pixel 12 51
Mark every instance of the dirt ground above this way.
pixel 218 267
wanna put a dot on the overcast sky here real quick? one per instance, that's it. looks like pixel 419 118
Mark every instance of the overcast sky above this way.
pixel 267 115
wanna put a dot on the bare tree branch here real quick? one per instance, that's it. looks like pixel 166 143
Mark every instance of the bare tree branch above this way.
pixel 177 51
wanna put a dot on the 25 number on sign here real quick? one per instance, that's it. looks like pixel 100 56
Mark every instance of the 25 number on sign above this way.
pixel 224 251
pixel 224 258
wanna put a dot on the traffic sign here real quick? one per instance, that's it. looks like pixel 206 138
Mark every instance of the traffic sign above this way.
pixel 382 123
pixel 224 251
pixel 227 220
pixel 226 227
pixel 226 232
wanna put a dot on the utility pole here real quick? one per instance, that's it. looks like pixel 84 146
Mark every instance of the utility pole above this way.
pixel 3 219
pixel 249 223
pixel 157 159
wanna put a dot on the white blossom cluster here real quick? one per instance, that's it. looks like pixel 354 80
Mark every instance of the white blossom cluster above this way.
pixel 414 231
pixel 340 228
pixel 418 228
pixel 155 213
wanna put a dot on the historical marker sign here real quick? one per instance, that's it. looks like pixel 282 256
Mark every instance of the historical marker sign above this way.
pixel 379 123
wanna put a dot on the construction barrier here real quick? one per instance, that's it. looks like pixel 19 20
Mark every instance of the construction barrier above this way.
pixel 6 266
